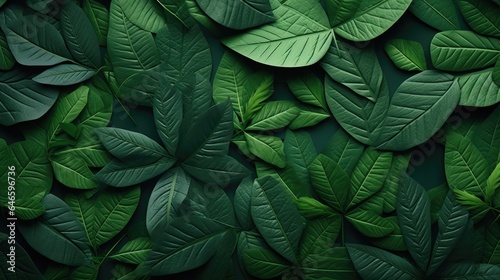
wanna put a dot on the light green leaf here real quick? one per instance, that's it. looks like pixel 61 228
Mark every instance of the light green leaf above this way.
pixel 300 36
pixel 73 172
pixel 310 208
pixel 476 206
pixel 99 18
pixel 368 176
pixel 258 87
pixel 7 60
pixel 36 44
pixel 23 99
pixel 147 14
pixel 274 115
pixel 492 184
pixel 113 210
pixel 330 182
pixel 481 16
pixel 276 217
pixel 131 50
pixel 373 263
pixel 406 55
pixel 389 190
pixel 413 210
pixel 440 14
pixel 64 75
pixel 135 251
pixel 418 109
pixel 308 116
pixel 357 69
pixel 463 50
pixel 308 88
pixel 238 14
pixel 360 117
pixel 264 263
pixel 382 15
pixel 62 232
pixel 268 148
pixel 466 168
pixel 341 10
pixel 80 36
pixel 478 89
pixel 121 174
pixel 287 178
pixel 89 149
pixel 166 198
pixel 369 223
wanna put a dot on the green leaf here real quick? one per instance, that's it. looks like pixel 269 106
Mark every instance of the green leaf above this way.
pixel 300 36
pixel 300 153
pixel 476 206
pixel 276 217
pixel 477 89
pixel 88 148
pixel 452 223
pixel 308 88
pixel 308 116
pixel 434 94
pixel 492 244
pixel 122 174
pixel 470 271
pixel 466 168
pixel 268 148
pixel 406 55
pixel 99 18
pixel 220 265
pixel 23 99
pixel 341 10
pixel 287 177
pixel 360 117
pixel 413 210
pixel 62 232
pixel 23 268
pixel 147 14
pixel 84 211
pixel 242 203
pixel 369 223
pixel 368 176
pixel 487 137
pixel 330 182
pixel 463 50
pixel 358 70
pixel 36 44
pixel 310 208
pixel 7 60
pixel 184 246
pixel 113 210
pixel 98 111
pixel 481 16
pixel 238 14
pixel 389 190
pixel 318 235
pixel 135 251
pixel 73 172
pixel 264 263
pixel 64 75
pixel 394 241
pixel 274 115
pixel 222 170
pixel 495 76
pixel 383 14
pixel 373 263
pixel 131 50
pixel 166 198
pixel 437 196
pixel 258 87
pixel 80 36
pixel 167 108
pixel 440 14
pixel 492 184
pixel 344 150
pixel 329 263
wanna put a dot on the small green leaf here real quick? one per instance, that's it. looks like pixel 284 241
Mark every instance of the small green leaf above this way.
pixel 308 88
pixel 369 223
pixel 268 148
pixel 73 172
pixel 406 55
pixel 64 75
pixel 274 115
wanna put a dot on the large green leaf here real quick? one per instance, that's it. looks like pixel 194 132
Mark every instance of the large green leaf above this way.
pixel 370 224
pixel 452 223
pixel 463 50
pixel 113 209
pixel 440 14
pixel 330 182
pixel 80 36
pixel 382 15
pixel 99 18
pixel 481 16
pixel 7 60
pixel 373 264
pixel 73 172
pixel 276 217
pixel 135 251
pixel 414 218
pixel 264 263
pixel 166 198
pixel 23 99
pixel 36 44
pixel 147 14
pixel 357 69
pixel 83 208
pixel 131 49
pixel 222 170
pixel 368 176
pixel 406 55
pixel 64 75
pixel 61 232
pixel 238 14
pixel 274 115
pixel 341 10
pixel 300 36
pixel 268 148
pixel 477 89
pixel 184 246
pixel 122 174
pixel 418 109
pixel 360 117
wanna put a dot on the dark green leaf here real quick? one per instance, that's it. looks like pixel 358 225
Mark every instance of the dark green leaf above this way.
pixel 341 10
pixel 135 251
pixel 221 170
pixel 477 89
pixel 274 115
pixel 268 148
pixel 64 75
pixel 121 174
pixel 73 172
pixel 7 60
pixel 481 16
pixel 242 203
pixel 344 150
pixel 406 55
pixel 470 271
pixel 440 14
pixel 147 14
pixel 99 18
pixel 369 223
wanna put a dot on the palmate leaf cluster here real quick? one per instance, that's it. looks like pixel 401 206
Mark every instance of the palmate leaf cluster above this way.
pixel 232 175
